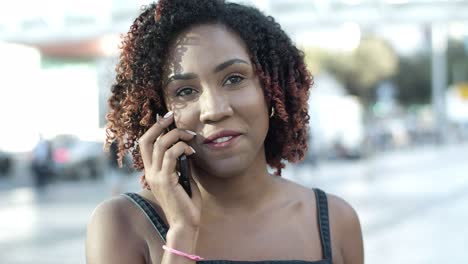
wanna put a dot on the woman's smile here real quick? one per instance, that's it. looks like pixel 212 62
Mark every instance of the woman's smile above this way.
pixel 223 143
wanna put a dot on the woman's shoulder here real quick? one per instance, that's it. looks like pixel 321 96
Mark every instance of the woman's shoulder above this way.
pixel 110 230
pixel 345 229
pixel 339 208
pixel 111 211
pixel 112 217
pixel 343 217
pixel 344 222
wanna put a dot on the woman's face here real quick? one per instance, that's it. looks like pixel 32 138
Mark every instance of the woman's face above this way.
pixel 212 88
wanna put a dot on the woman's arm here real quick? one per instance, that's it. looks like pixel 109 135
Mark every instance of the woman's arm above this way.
pixel 353 248
pixel 345 224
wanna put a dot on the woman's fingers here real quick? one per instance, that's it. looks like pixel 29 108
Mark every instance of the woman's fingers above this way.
pixel 165 142
pixel 160 151
pixel 146 141
pixel 171 155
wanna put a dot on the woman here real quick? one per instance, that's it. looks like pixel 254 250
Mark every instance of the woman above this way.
pixel 236 88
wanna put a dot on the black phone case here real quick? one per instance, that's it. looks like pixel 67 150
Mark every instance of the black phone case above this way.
pixel 185 173
pixel 183 167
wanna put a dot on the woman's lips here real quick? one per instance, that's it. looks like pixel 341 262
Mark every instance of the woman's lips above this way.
pixel 220 134
pixel 223 143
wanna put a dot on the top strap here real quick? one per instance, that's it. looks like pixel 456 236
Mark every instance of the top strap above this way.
pixel 322 215
pixel 324 223
pixel 150 213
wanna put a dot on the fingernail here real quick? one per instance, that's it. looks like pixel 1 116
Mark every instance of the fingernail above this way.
pixel 193 150
pixel 168 114
pixel 157 118
pixel 191 132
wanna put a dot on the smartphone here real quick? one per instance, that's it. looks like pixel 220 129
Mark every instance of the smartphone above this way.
pixel 183 167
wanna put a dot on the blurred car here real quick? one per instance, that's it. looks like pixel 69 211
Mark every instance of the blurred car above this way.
pixel 6 163
pixel 75 159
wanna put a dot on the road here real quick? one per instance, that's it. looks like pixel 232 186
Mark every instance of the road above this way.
pixel 413 207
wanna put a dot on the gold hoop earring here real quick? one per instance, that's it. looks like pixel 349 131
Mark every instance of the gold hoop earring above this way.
pixel 272 112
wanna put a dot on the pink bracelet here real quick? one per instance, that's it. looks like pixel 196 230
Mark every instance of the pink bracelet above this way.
pixel 180 253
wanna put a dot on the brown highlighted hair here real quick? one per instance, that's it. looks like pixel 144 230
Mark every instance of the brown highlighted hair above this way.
pixel 137 92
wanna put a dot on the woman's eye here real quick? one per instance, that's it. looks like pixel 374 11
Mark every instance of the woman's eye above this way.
pixel 185 92
pixel 234 79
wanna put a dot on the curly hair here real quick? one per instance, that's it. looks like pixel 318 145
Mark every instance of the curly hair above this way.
pixel 136 95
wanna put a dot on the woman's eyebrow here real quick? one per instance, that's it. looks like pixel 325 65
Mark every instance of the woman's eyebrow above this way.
pixel 182 76
pixel 191 75
pixel 228 63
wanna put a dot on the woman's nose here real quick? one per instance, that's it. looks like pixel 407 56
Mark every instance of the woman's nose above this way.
pixel 214 106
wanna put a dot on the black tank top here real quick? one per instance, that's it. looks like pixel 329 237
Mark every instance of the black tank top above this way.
pixel 323 225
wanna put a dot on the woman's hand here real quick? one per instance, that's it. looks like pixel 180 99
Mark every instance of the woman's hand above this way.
pixel 159 153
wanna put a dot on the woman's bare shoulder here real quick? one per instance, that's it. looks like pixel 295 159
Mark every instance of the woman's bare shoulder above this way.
pixel 339 209
pixel 114 212
pixel 344 222
pixel 346 229
pixel 342 214
pixel 111 237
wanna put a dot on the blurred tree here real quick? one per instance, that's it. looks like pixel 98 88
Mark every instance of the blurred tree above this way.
pixel 457 56
pixel 361 70
pixel 414 76
pixel 414 79
pixel 375 61
pixel 315 58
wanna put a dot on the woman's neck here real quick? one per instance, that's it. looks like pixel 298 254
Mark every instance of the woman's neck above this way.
pixel 243 192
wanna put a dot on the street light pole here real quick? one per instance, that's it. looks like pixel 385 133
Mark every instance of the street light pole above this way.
pixel 439 79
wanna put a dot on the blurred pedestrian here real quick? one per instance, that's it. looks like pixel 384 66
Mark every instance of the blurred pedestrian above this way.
pixel 42 162
pixel 224 85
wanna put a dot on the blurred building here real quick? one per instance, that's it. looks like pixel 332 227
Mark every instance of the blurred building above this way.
pixel 68 49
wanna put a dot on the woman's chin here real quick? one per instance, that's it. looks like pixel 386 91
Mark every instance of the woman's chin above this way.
pixel 224 168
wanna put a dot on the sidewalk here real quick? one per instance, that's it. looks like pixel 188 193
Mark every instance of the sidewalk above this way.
pixel 412 206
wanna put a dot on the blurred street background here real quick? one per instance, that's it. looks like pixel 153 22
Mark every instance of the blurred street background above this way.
pixel 388 114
